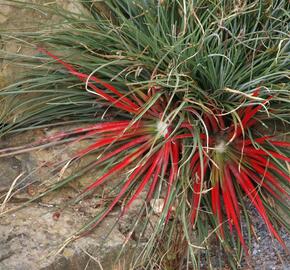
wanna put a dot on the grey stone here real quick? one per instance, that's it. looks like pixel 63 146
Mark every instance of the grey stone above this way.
pixel 10 168
pixel 29 237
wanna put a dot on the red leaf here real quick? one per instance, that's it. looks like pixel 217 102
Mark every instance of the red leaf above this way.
pixel 216 206
pixel 280 143
pixel 139 170
pixel 126 146
pixel 83 77
pixel 232 215
pixel 227 204
pixel 248 116
pixel 262 183
pixel 253 195
pixel 258 140
pixel 194 159
pixel 213 122
pixel 248 108
pixel 197 188
pixel 228 181
pixel 156 174
pixel 174 153
pixel 251 150
pixel 145 180
pixel 128 160
pixel 264 163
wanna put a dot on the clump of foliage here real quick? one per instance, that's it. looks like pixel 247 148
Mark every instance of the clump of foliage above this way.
pixel 181 90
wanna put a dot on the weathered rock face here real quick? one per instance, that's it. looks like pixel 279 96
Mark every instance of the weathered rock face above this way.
pixel 5 10
pixel 9 169
pixel 15 19
pixel 29 237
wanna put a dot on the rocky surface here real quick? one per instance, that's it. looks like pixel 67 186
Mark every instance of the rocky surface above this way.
pixel 266 252
pixel 30 237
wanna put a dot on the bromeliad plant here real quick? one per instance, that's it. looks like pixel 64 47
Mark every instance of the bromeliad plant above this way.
pixel 240 163
pixel 187 85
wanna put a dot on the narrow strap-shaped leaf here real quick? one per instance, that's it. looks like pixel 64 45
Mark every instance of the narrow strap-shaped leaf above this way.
pixel 230 188
pixel 227 204
pixel 257 140
pixel 83 77
pixel 197 188
pixel 216 206
pixel 125 187
pixel 280 143
pixel 251 150
pixel 247 110
pixel 264 162
pixel 233 216
pixel 213 122
pixel 156 174
pixel 268 177
pixel 128 160
pixel 174 153
pixel 262 183
pixel 249 117
pixel 108 141
pixel 145 180
pixel 251 192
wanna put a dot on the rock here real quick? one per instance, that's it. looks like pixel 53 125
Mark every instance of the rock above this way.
pixel 29 237
pixel 4 12
pixel 10 168
pixel 39 166
pixel 157 205
pixel 72 6
pixel 3 18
